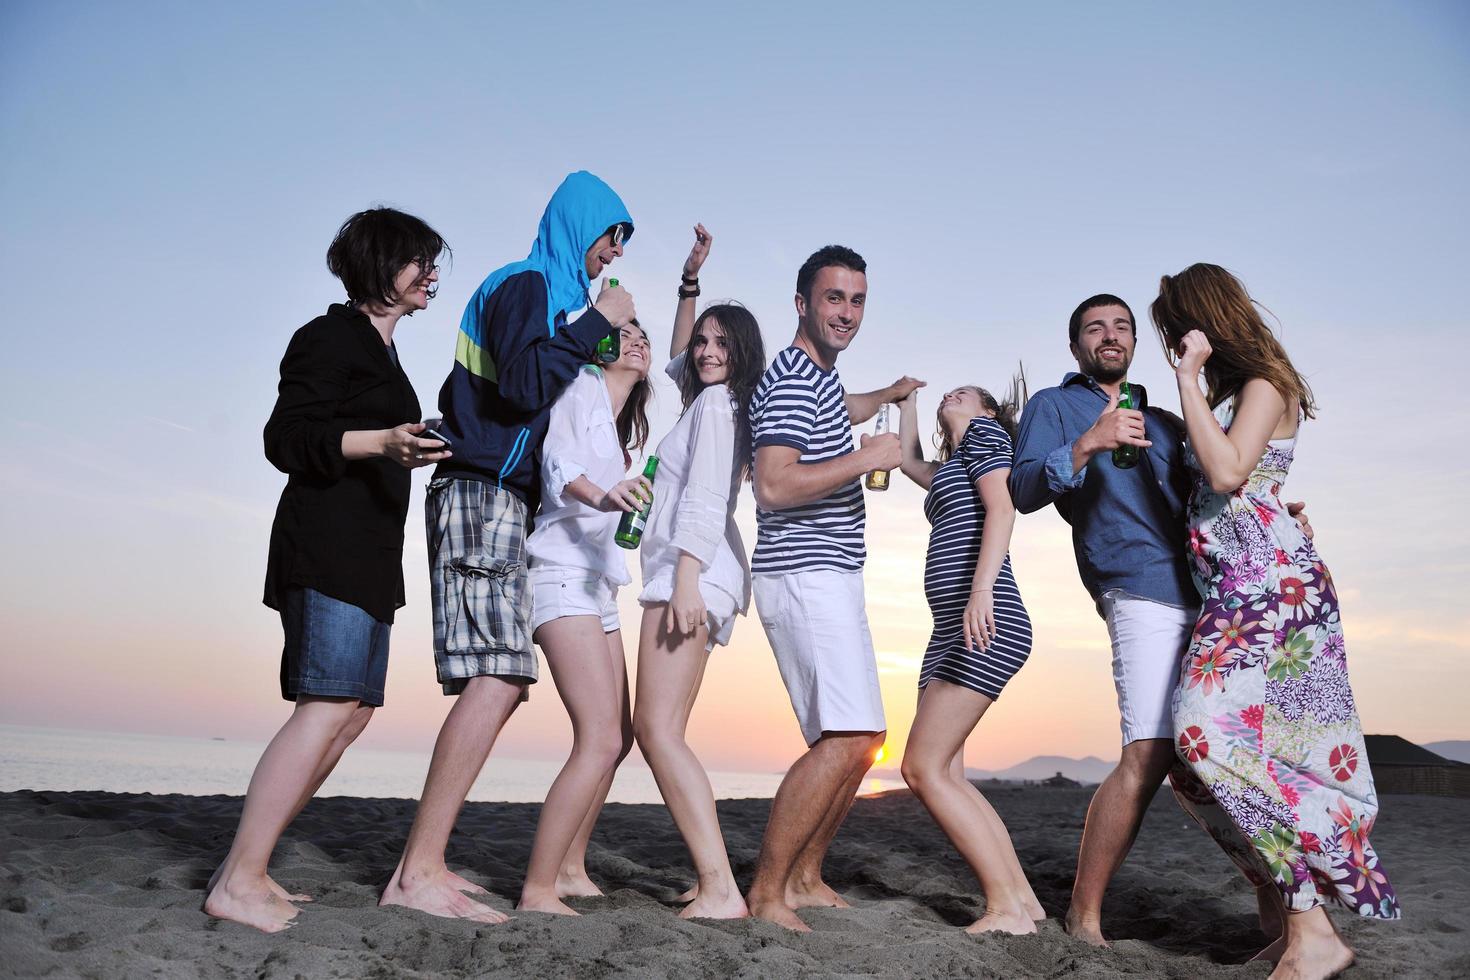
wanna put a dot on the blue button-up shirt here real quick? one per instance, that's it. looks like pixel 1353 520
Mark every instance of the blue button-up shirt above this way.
pixel 1128 527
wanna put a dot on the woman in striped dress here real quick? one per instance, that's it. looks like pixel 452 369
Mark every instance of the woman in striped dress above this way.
pixel 981 636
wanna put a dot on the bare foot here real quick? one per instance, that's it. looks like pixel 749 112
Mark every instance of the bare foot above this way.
pixel 1018 923
pixel 1314 958
pixel 462 884
pixel 814 896
pixel 576 886
pixel 707 906
pixel 545 903
pixel 689 895
pixel 1272 953
pixel 271 882
pixel 1034 909
pixel 1087 929
pixel 437 894
pixel 250 902
pixel 780 914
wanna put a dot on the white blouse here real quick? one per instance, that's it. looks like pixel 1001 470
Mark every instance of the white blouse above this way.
pixel 581 440
pixel 696 491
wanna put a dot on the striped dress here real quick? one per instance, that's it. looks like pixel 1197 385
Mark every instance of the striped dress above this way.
pixel 957 518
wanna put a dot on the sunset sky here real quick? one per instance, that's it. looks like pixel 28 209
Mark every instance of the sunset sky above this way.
pixel 173 174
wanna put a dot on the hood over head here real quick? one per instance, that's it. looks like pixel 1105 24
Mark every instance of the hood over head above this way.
pixel 582 208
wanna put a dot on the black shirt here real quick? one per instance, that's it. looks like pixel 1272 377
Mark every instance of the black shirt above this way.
pixel 339 525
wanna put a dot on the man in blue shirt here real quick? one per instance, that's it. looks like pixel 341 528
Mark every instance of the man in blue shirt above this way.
pixel 1128 532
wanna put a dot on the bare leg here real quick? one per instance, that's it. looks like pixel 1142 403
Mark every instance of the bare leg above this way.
pixel 1314 950
pixel 354 727
pixel 241 890
pixel 693 891
pixel 572 880
pixel 585 678
pixel 1113 819
pixel 803 801
pixel 805 887
pixel 987 813
pixel 947 714
pixel 669 671
pixel 422 881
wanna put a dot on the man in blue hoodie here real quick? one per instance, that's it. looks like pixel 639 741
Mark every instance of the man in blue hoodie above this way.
pixel 517 350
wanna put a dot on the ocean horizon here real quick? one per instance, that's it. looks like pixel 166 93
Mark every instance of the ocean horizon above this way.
pixel 125 762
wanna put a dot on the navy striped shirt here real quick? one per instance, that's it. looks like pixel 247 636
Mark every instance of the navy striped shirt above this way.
pixel 797 404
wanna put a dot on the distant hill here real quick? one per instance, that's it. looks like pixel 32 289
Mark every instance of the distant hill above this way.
pixel 1088 770
pixel 1395 750
pixel 1457 749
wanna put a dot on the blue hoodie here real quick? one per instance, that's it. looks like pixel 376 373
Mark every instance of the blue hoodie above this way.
pixel 517 351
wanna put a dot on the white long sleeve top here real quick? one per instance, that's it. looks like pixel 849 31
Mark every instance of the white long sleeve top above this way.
pixel 581 440
pixel 695 495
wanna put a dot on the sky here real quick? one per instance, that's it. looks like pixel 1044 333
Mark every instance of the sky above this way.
pixel 171 174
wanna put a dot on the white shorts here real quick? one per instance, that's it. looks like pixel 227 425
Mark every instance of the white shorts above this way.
pixel 558 590
pixel 720 607
pixel 818 629
pixel 1149 642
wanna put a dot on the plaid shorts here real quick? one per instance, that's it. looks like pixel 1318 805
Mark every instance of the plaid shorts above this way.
pixel 477 574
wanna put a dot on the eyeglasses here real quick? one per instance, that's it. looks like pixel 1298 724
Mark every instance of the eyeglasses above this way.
pixel 618 232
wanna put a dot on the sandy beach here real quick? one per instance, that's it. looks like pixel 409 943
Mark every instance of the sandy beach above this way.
pixel 109 885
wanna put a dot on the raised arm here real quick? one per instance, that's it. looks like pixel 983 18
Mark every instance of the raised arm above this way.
pixel 1226 459
pixel 864 405
pixel 684 314
pixel 914 465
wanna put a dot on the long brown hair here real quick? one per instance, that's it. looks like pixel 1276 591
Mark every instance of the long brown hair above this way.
pixel 1006 412
pixel 745 354
pixel 1209 299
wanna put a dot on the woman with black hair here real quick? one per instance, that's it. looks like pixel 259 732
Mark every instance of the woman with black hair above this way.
pixel 982 634
pixel 345 430
pixel 576 570
pixel 696 579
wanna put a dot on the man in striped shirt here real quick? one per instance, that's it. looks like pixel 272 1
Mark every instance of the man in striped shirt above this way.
pixel 808 577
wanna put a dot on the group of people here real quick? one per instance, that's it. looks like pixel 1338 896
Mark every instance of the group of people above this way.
pixel 1228 654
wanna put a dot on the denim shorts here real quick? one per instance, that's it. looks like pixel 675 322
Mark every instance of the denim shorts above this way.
pixel 333 649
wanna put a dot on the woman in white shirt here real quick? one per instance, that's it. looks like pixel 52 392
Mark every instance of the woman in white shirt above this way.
pixel 576 569
pixel 696 579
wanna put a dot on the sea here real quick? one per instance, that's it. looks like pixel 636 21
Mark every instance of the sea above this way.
pixel 117 762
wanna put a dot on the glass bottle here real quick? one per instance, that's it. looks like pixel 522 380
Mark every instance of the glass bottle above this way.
pixel 878 479
pixel 630 528
pixel 610 348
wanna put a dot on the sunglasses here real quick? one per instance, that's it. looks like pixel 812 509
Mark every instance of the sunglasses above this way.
pixel 618 232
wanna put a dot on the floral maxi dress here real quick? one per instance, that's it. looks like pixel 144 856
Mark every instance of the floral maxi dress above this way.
pixel 1264 716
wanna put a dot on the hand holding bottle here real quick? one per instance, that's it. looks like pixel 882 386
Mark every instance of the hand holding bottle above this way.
pixel 626 495
pixel 881 452
pixel 615 304
pixel 1114 427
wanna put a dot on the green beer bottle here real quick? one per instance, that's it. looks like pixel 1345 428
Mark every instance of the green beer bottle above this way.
pixel 1126 457
pixel 610 348
pixel 630 528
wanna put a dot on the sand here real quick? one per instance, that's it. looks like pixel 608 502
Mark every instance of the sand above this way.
pixel 109 885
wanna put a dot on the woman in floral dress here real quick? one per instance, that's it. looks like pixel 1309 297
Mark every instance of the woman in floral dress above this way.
pixel 1264 714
